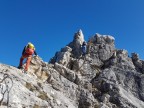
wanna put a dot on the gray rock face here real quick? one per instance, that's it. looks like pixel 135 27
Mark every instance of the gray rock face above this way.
pixel 105 78
pixel 139 64
pixel 101 48
pixel 64 56
pixel 76 44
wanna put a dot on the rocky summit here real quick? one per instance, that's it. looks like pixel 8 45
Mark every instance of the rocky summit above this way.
pixel 106 77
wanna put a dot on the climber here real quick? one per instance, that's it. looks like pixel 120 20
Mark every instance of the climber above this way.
pixel 84 48
pixel 27 52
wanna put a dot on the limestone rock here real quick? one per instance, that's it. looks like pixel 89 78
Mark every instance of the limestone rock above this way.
pixel 105 78
pixel 76 43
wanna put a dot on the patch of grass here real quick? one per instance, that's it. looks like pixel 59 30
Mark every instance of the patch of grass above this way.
pixel 43 95
pixel 36 106
pixel 30 86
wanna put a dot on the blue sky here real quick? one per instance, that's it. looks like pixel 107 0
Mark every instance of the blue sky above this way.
pixel 51 24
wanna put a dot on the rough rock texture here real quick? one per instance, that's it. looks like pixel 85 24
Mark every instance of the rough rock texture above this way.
pixel 105 78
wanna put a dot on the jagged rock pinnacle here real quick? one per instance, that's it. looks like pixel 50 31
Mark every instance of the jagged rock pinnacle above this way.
pixel 105 78
pixel 79 37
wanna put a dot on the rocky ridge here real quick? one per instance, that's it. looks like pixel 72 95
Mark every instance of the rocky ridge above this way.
pixel 105 78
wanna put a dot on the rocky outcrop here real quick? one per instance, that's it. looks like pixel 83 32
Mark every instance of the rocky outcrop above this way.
pixel 139 64
pixel 105 78
pixel 76 44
